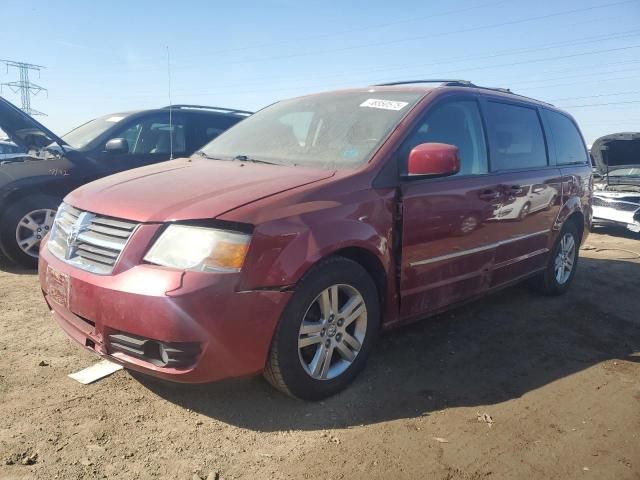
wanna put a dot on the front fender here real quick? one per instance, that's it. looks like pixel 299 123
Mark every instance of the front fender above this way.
pixel 284 250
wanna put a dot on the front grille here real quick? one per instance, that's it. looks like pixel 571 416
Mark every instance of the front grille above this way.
pixel 89 241
pixel 620 205
pixel 161 354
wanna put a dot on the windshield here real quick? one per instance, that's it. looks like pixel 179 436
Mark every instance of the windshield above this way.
pixel 81 136
pixel 337 130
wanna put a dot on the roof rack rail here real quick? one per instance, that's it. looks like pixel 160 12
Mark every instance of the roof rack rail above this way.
pixel 205 107
pixel 457 83
pixel 447 82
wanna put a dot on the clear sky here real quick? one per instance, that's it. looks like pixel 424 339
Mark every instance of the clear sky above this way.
pixel 104 57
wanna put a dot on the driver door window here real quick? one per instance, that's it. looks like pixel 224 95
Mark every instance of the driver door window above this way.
pixel 456 123
pixel 154 136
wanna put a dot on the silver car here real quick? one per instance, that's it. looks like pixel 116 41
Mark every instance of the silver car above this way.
pixel 616 194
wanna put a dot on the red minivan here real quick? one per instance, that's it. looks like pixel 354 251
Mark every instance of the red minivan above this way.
pixel 288 242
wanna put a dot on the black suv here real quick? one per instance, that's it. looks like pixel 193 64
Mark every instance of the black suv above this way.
pixel 32 185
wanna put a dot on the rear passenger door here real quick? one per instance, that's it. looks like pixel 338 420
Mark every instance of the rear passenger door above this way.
pixel 529 187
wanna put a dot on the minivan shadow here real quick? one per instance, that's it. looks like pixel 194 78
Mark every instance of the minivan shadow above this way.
pixel 486 352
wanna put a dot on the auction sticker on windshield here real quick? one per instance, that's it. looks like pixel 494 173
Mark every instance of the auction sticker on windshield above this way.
pixel 384 104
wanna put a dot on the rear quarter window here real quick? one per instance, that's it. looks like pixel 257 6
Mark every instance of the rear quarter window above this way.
pixel 568 143
pixel 515 136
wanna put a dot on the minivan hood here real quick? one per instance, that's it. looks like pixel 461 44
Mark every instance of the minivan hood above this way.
pixel 23 129
pixel 618 150
pixel 187 190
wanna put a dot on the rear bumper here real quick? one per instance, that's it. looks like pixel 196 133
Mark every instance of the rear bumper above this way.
pixel 228 333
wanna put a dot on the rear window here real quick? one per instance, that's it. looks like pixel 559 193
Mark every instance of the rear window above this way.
pixel 566 139
pixel 516 138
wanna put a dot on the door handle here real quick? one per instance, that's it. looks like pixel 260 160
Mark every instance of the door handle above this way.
pixel 489 195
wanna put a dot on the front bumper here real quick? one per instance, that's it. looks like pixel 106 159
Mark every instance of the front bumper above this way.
pixel 228 333
pixel 607 211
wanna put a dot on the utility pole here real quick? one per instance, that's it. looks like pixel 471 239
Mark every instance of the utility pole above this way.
pixel 24 85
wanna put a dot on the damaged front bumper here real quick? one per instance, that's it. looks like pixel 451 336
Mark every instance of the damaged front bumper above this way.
pixel 618 209
pixel 182 326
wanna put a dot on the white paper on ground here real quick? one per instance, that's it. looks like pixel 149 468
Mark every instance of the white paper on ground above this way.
pixel 99 370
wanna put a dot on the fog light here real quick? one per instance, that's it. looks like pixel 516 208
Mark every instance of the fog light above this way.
pixel 164 355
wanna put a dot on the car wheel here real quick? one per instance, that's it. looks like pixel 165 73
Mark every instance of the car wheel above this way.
pixel 23 225
pixel 468 224
pixel 562 264
pixel 524 211
pixel 326 331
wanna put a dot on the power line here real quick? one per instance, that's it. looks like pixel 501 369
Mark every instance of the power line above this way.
pixel 457 71
pixel 387 42
pixel 596 96
pixel 422 37
pixel 600 104
pixel 24 85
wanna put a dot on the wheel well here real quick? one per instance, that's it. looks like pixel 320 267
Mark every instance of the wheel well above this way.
pixel 578 220
pixel 371 264
pixel 18 195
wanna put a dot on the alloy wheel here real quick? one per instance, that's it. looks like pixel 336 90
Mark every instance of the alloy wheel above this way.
pixel 32 228
pixel 332 332
pixel 565 259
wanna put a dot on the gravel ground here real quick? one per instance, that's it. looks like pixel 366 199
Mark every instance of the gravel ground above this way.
pixel 513 386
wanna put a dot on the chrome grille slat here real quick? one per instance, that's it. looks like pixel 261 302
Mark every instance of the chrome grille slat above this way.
pixel 106 241
pixel 110 222
pixel 621 205
pixel 99 251
pixel 96 258
pixel 116 232
pixel 89 241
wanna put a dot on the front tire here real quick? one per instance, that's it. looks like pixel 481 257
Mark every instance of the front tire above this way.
pixel 326 332
pixel 23 225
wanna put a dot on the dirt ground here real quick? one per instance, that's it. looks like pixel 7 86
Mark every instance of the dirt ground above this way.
pixel 559 378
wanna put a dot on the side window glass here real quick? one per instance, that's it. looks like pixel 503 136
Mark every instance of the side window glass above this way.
pixel 153 135
pixel 566 138
pixel 132 136
pixel 515 137
pixel 212 126
pixel 456 123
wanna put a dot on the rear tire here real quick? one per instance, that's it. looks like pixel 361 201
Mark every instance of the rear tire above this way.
pixel 334 317
pixel 22 223
pixel 562 264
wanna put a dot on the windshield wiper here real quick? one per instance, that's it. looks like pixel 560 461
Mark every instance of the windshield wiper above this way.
pixel 245 158
pixel 201 153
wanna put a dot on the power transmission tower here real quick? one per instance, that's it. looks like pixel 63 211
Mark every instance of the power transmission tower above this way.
pixel 24 85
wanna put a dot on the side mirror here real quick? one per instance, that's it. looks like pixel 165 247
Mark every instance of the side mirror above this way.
pixel 433 159
pixel 117 145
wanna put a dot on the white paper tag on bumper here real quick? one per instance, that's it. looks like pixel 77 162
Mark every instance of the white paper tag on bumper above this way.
pixel 384 104
pixel 99 370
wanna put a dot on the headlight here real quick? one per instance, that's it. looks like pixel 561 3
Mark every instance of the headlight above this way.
pixel 201 249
